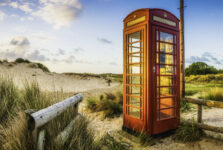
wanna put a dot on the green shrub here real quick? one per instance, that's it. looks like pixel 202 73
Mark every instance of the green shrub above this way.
pixel 21 60
pixel 213 94
pixel 199 68
pixel 184 106
pixel 188 132
pixel 5 61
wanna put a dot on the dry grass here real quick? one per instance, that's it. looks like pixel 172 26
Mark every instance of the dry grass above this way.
pixel 213 94
pixel 110 104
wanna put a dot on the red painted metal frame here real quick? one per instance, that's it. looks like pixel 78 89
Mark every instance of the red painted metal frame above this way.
pixel 149 124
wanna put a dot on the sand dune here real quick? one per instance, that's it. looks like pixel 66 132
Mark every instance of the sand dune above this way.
pixel 52 81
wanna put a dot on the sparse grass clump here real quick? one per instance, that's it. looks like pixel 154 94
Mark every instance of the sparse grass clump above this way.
pixel 188 132
pixel 213 94
pixel 110 104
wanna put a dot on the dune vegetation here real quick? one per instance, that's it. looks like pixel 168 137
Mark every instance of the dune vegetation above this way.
pixel 13 121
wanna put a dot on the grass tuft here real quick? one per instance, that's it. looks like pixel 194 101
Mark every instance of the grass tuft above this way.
pixel 8 99
pixel 111 143
pixel 146 140
pixel 188 132
pixel 110 104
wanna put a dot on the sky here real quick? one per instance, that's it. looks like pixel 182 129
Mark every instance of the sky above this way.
pixel 87 35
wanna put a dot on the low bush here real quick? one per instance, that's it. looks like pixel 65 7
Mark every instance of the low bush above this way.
pixel 188 132
pixel 21 60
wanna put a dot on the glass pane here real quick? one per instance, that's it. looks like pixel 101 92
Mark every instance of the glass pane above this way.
pixel 166 59
pixel 134 37
pixel 166 102
pixel 166 70
pixel 135 79
pixel 166 80
pixel 134 47
pixel 134 112
pixel 134 90
pixel 157 81
pixel 166 48
pixel 166 91
pixel 135 58
pixel 135 69
pixel 157 58
pixel 134 101
pixel 166 37
pixel 166 113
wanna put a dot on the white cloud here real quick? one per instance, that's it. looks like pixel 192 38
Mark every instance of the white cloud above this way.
pixel 14 4
pixel 2 15
pixel 17 47
pixel 25 8
pixel 59 13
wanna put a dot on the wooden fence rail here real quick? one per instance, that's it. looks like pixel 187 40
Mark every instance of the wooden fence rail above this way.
pixel 209 103
pixel 37 119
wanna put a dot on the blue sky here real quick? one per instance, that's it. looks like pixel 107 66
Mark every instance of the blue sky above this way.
pixel 86 35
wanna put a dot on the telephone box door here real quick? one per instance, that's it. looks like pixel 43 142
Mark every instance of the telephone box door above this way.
pixel 134 78
pixel 165 50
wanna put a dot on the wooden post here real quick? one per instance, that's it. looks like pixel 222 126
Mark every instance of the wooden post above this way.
pixel 182 46
pixel 199 113
pixel 41 140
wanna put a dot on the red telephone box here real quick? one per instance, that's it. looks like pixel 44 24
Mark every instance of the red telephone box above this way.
pixel 151 72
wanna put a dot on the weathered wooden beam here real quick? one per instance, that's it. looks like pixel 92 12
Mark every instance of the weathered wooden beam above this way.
pixel 207 127
pixel 41 140
pixel 61 138
pixel 43 116
pixel 204 102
